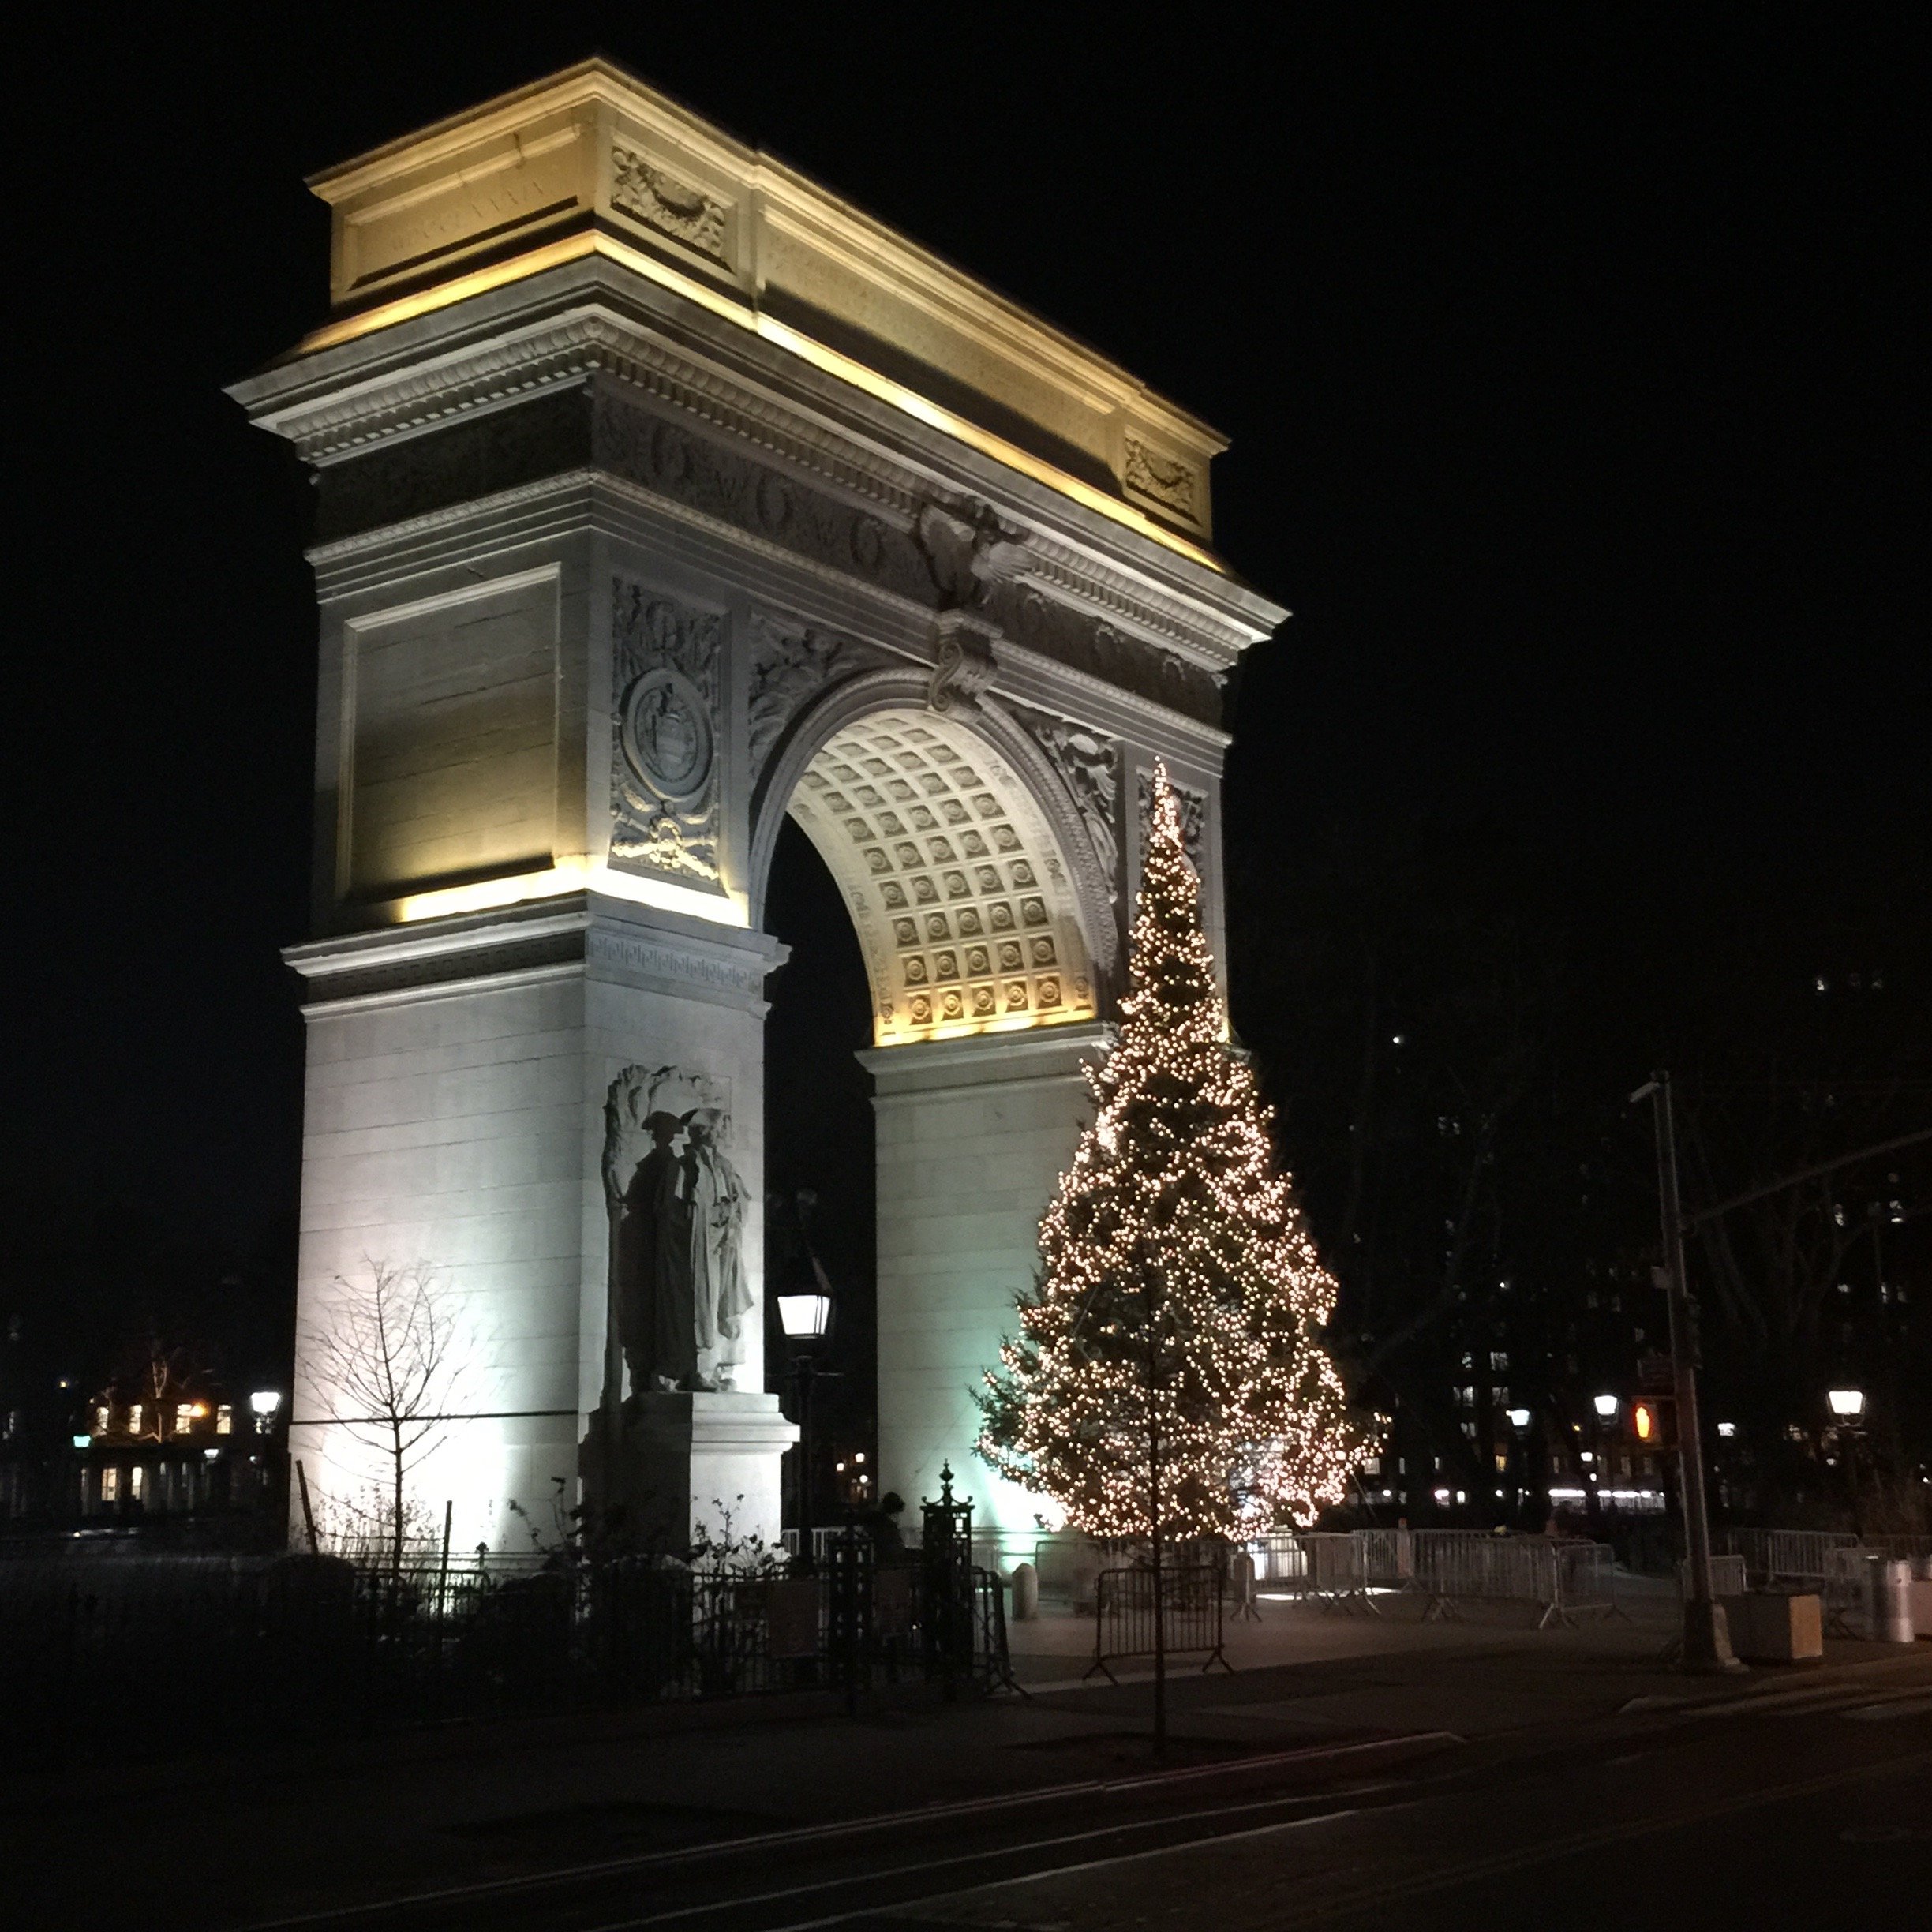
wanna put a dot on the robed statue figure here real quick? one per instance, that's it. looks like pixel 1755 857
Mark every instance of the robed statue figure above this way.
pixel 657 1326
pixel 716 1201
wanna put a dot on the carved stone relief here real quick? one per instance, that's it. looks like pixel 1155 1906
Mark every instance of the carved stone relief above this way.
pixel 1193 808
pixel 963 667
pixel 792 662
pixel 679 1290
pixel 673 207
pixel 718 482
pixel 665 665
pixel 550 436
pixel 1088 766
pixel 1044 624
pixel 1163 480
pixel 966 554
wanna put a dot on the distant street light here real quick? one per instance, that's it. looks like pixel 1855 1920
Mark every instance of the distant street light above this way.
pixel 1847 1402
pixel 1519 1418
pixel 1606 1406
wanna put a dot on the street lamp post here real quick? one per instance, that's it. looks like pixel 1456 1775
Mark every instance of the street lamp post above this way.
pixel 807 1319
pixel 1706 1632
pixel 1848 1405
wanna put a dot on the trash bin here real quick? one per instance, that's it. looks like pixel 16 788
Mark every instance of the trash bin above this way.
pixel 1026 1593
pixel 1890 1578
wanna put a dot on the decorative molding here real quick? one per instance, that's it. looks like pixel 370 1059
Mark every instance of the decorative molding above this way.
pixel 1088 764
pixel 1209 621
pixel 792 662
pixel 666 667
pixel 681 968
pixel 1193 807
pixel 962 665
pixel 1161 479
pixel 747 493
pixel 1030 617
pixel 672 207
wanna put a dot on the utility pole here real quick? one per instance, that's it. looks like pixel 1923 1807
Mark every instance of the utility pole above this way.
pixel 1706 1633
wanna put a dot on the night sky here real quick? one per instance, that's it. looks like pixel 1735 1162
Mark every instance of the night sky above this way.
pixel 1573 370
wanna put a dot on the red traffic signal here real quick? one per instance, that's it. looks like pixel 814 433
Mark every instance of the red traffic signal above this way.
pixel 1653 1423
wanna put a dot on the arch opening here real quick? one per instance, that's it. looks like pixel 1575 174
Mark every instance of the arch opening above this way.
pixel 967 912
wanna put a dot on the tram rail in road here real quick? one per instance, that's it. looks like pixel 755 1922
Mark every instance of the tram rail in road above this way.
pixel 952 1837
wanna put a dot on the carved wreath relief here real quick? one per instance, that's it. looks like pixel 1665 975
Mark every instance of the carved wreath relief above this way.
pixel 1164 479
pixel 665 674
pixel 674 207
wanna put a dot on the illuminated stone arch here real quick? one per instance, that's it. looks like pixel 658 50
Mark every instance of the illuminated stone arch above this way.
pixel 975 893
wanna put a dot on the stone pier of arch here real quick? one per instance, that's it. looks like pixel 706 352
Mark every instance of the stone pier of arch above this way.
pixel 661 496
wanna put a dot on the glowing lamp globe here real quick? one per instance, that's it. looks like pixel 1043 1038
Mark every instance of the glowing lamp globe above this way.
pixel 1519 1418
pixel 1847 1402
pixel 1606 1406
pixel 805 1318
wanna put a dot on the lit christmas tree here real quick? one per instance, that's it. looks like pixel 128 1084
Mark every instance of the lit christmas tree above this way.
pixel 1167 1380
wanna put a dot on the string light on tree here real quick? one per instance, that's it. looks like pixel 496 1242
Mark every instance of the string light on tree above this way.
pixel 1166 1377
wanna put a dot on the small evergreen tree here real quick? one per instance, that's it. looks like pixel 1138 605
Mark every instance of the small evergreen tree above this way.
pixel 1167 1380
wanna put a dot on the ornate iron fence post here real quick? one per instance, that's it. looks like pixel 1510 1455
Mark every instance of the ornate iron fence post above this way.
pixel 945 1563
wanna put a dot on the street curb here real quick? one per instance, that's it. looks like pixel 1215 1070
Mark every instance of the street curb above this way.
pixel 1774 1680
pixel 1367 1751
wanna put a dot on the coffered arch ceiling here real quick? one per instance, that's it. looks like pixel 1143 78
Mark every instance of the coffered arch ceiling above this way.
pixel 967 910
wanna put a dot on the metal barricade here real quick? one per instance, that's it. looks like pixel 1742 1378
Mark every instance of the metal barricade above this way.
pixel 1584 1579
pixel 1334 1570
pixel 1564 1577
pixel 1730 1576
pixel 1772 1557
pixel 1190 1612
pixel 1281 1562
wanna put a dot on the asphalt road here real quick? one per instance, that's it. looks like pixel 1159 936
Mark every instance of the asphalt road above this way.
pixel 1793 1803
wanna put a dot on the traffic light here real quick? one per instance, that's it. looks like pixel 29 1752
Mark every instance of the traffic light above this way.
pixel 1653 1422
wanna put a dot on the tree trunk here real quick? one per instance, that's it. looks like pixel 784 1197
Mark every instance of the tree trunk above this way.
pixel 1160 1607
pixel 396 1564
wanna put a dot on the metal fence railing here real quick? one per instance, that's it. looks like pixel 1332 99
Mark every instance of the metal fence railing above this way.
pixel 302 1647
pixel 1351 1570
pixel 1190 1609
pixel 1729 1577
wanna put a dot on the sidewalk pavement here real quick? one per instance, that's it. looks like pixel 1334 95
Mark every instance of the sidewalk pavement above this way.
pixel 273 1835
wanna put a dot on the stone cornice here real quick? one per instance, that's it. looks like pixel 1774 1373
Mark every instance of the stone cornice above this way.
pixel 576 935
pixel 361 401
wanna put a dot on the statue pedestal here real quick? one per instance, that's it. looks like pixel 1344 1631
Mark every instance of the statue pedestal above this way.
pixel 687 1462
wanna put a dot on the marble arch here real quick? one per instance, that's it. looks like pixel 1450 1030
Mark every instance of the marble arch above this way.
pixel 659 493
pixel 978 898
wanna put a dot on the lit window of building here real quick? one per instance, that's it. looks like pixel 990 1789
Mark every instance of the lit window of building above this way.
pixel 111 1484
pixel 135 1483
pixel 224 1420
pixel 134 1418
pixel 103 1418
